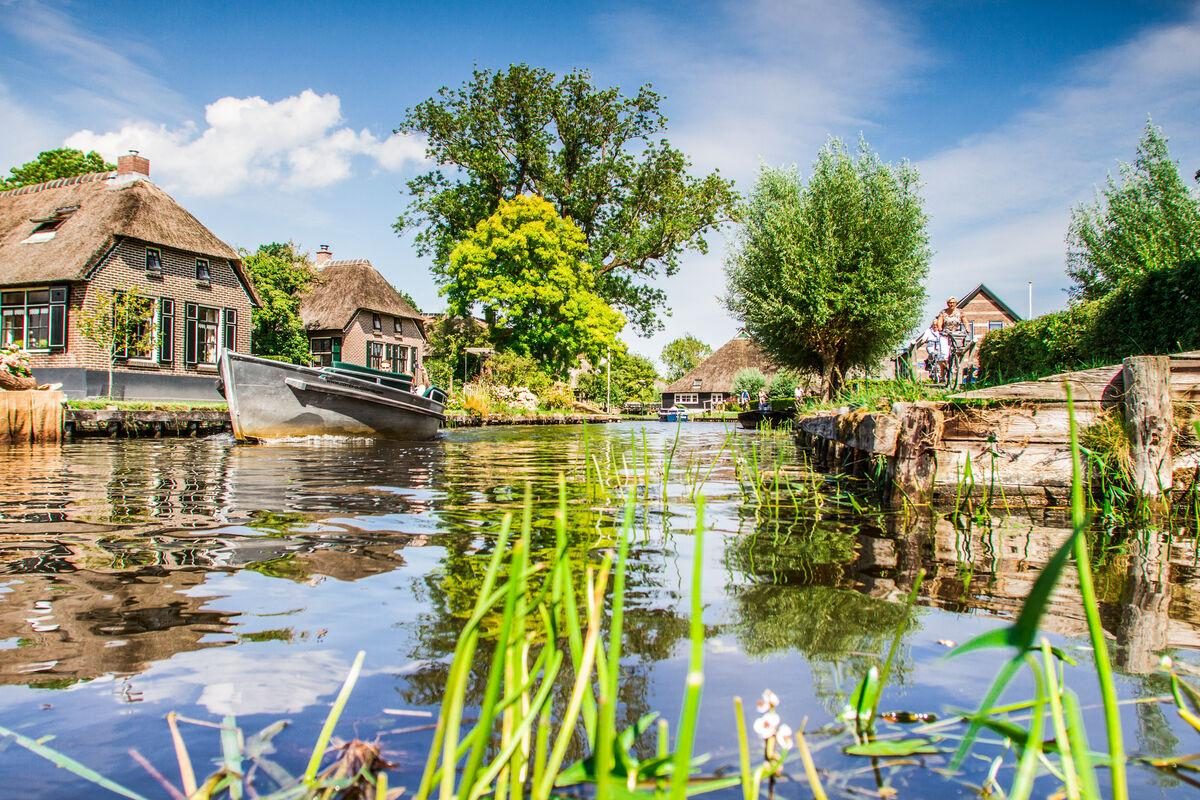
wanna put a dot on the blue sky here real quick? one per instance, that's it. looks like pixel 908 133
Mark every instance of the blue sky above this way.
pixel 274 120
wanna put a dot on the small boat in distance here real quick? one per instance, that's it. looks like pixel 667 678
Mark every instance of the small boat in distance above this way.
pixel 677 413
pixel 275 400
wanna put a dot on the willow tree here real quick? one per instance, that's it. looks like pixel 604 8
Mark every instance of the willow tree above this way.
pixel 828 274
pixel 526 267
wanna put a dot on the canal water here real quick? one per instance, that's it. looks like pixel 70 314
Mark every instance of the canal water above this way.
pixel 213 579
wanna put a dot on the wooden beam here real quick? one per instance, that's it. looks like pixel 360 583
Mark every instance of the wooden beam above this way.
pixel 1149 419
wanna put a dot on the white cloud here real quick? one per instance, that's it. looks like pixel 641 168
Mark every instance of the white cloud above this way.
pixel 1000 202
pixel 295 142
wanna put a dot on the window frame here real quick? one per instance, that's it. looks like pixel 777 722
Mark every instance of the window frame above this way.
pixel 376 322
pixel 374 355
pixel 54 308
pixel 995 325
pixel 316 357
pixel 192 329
pixel 229 328
pixel 204 275
pixel 398 325
pixel 685 398
pixel 166 330
pixel 157 259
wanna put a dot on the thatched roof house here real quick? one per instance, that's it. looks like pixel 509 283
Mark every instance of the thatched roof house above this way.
pixel 67 245
pixel 86 216
pixel 352 313
pixel 711 382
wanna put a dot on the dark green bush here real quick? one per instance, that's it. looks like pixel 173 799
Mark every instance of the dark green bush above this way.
pixel 1154 314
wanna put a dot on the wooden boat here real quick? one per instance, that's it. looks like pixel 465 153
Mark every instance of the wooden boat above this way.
pixel 753 420
pixel 273 400
pixel 676 414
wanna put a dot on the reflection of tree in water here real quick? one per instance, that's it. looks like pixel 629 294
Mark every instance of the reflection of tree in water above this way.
pixel 792 590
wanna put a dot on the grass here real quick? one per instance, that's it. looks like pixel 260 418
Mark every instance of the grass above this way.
pixel 101 404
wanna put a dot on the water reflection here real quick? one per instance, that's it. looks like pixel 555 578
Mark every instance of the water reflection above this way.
pixel 215 579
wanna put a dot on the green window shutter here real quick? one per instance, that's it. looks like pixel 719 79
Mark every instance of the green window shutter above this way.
pixel 58 316
pixel 189 334
pixel 166 330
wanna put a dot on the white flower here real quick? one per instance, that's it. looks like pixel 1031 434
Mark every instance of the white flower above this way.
pixel 784 737
pixel 767 702
pixel 767 725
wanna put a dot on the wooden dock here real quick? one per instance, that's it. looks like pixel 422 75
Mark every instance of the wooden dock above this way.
pixel 116 423
pixel 1015 438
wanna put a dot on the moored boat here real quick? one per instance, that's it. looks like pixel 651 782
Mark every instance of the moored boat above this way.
pixel 274 400
pixel 675 414
pixel 753 420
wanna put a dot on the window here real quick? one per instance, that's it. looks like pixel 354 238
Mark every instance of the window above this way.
pixel 684 399
pixel 34 319
pixel 45 227
pixel 140 343
pixel 995 326
pixel 375 355
pixel 203 271
pixel 399 358
pixel 230 318
pixel 200 335
pixel 166 330
pixel 325 350
pixel 398 325
pixel 154 260
pixel 697 383
pixel 376 323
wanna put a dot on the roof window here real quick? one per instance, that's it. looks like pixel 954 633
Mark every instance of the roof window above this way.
pixel 45 227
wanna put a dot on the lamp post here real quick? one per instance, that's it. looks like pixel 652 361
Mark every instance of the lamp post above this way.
pixel 1030 300
pixel 608 381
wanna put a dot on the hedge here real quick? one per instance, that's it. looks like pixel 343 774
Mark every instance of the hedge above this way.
pixel 1159 313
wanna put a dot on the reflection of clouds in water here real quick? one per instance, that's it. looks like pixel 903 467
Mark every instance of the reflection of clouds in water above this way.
pixel 251 681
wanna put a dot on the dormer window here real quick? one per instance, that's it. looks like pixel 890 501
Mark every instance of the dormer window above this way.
pixel 154 260
pixel 697 382
pixel 44 228
pixel 203 271
pixel 376 323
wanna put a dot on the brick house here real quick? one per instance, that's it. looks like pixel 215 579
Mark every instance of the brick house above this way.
pixel 984 311
pixel 65 241
pixel 710 383
pixel 352 314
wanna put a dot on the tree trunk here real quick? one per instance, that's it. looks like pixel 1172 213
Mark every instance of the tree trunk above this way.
pixel 15 383
pixel 1148 421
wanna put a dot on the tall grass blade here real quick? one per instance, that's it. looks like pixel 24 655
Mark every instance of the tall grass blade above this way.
pixel 187 776
pixel 69 764
pixel 685 736
pixel 335 713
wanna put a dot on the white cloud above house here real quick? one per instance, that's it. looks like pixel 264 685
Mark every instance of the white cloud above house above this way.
pixel 246 142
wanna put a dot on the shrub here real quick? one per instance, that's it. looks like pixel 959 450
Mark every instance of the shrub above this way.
pixel 559 396
pixel 512 369
pixel 1151 314
pixel 476 402
pixel 750 380
pixel 783 385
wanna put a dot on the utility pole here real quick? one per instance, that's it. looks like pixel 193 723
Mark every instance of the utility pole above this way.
pixel 1030 300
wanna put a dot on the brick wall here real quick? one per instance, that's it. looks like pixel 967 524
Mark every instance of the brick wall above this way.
pixel 981 311
pixel 125 266
pixel 354 340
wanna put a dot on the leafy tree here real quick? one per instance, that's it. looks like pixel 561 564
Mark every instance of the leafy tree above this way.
pixel 680 356
pixel 749 380
pixel 783 385
pixel 592 152
pixel 280 274
pixel 120 323
pixel 525 265
pixel 448 338
pixel 64 162
pixel 1147 222
pixel 829 275
pixel 408 298
pixel 633 379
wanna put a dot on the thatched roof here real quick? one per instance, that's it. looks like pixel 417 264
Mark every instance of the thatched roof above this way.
pixel 344 287
pixel 716 372
pixel 108 207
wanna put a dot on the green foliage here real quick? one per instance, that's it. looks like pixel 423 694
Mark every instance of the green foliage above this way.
pixel 118 323
pixel 525 265
pixel 633 379
pixel 1148 221
pixel 408 298
pixel 830 275
pixel 514 370
pixel 63 162
pixel 597 155
pixel 783 385
pixel 680 356
pixel 280 274
pixel 448 338
pixel 559 397
pixel 750 380
pixel 1150 314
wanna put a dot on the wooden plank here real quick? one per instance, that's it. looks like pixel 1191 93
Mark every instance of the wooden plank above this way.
pixel 1032 465
pixel 913 470
pixel 1041 422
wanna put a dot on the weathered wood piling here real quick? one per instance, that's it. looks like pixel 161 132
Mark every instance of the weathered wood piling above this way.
pixel 1014 440
pixel 30 417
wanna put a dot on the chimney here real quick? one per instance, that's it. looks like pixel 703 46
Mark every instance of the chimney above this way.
pixel 133 164
pixel 324 256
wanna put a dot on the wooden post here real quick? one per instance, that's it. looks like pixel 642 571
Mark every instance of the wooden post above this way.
pixel 1149 420
pixel 914 468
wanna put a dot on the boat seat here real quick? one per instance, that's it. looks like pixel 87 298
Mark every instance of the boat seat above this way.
pixel 435 394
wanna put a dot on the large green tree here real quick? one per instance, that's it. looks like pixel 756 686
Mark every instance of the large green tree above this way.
pixel 594 153
pixel 280 273
pixel 525 265
pixel 64 162
pixel 829 274
pixel 680 356
pixel 1147 221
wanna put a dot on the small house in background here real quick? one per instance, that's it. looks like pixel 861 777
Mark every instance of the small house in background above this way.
pixel 984 311
pixel 710 383
pixel 352 314
pixel 65 242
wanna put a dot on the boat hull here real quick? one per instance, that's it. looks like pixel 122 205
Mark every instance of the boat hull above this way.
pixel 273 400
pixel 672 416
pixel 753 420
